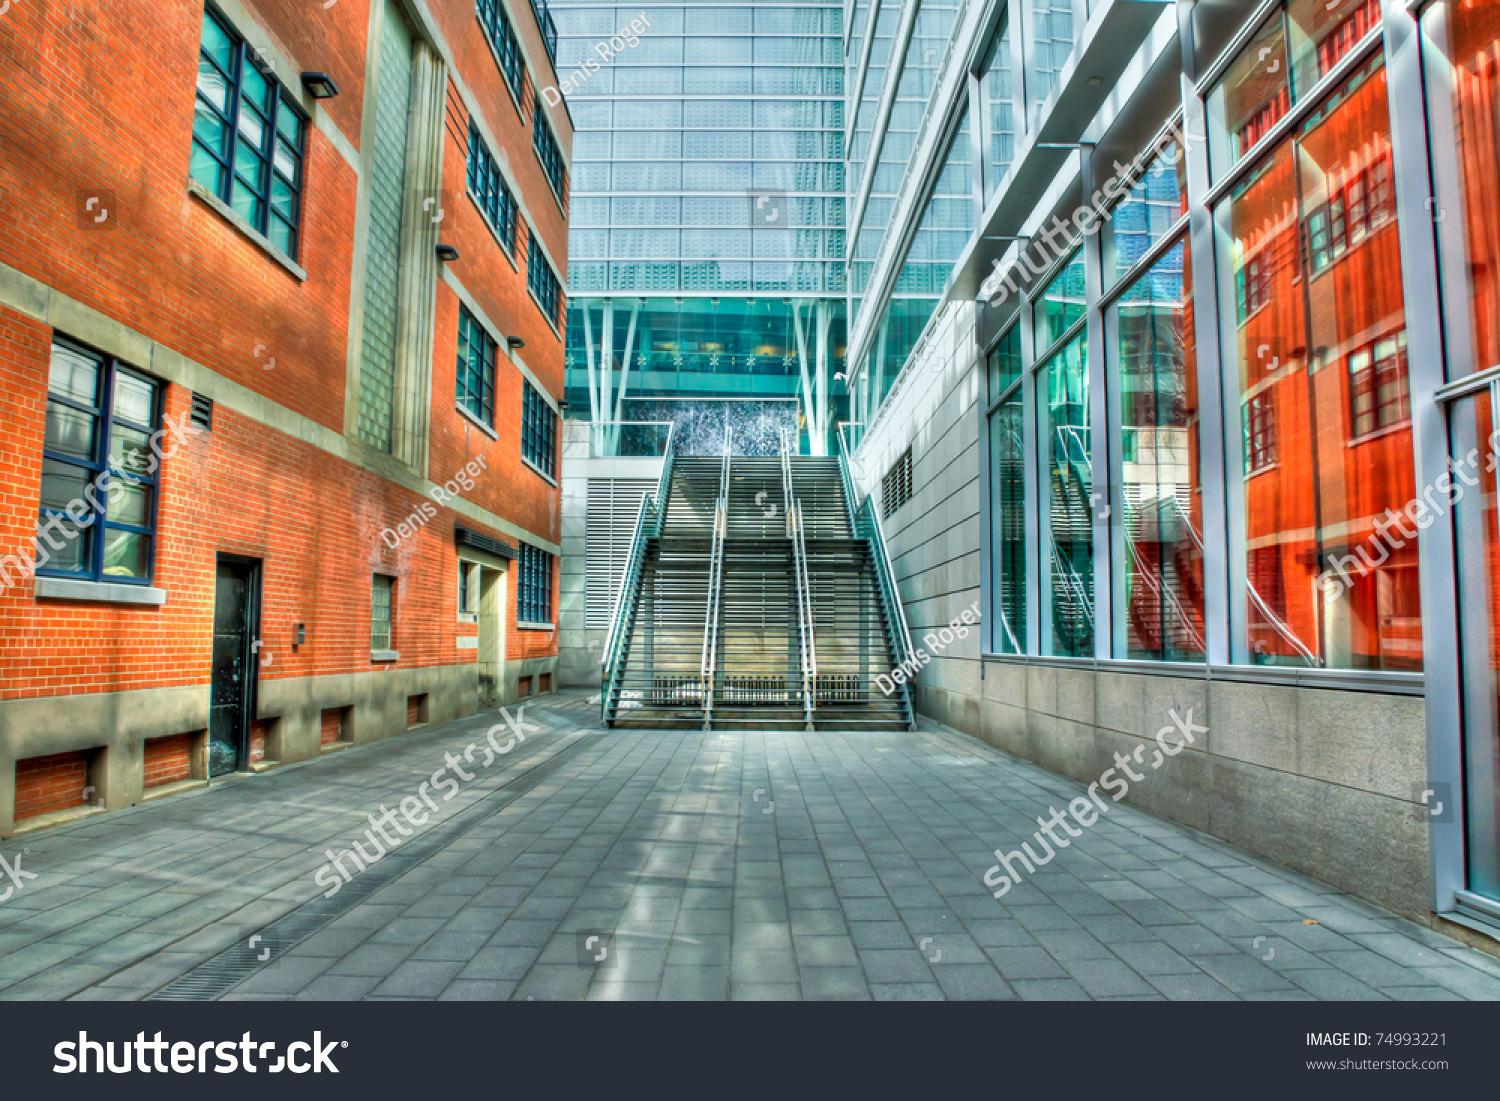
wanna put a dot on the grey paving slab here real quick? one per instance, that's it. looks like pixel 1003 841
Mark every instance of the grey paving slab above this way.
pixel 870 866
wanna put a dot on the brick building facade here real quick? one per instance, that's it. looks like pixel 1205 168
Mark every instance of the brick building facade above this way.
pixel 281 473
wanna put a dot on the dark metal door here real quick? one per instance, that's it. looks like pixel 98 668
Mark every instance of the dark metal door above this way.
pixel 231 693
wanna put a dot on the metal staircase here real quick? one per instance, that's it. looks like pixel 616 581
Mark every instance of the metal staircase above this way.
pixel 758 599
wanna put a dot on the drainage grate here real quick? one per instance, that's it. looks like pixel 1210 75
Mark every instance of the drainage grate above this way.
pixel 214 977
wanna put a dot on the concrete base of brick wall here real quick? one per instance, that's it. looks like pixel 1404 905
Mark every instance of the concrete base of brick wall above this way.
pixel 114 726
pixel 1325 782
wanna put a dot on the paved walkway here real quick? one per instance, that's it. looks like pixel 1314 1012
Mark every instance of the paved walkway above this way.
pixel 704 866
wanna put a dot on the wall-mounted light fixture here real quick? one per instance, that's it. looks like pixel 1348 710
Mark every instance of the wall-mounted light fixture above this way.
pixel 515 342
pixel 319 85
pixel 447 253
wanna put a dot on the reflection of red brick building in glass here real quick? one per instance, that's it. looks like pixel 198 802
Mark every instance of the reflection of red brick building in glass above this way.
pixel 1325 405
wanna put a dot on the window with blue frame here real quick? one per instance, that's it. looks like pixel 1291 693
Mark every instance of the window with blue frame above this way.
pixel 489 190
pixel 541 280
pixel 97 517
pixel 548 153
pixel 538 431
pixel 535 588
pixel 502 37
pixel 248 136
pixel 476 368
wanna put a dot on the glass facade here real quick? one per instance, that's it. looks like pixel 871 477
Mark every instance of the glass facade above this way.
pixel 708 204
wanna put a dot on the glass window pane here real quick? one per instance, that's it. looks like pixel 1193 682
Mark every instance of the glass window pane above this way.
pixel 289 126
pixel 1478 577
pixel 213 86
pixel 283 198
pixel 1321 573
pixel 997 93
pixel 1253 95
pixel 1008 526
pixel 1163 497
pixel 130 450
pixel 129 503
pixel 1005 362
pixel 1153 206
pixel 74 375
pixel 1474 31
pixel 282 236
pixel 286 161
pixel 135 399
pixel 255 90
pixel 1061 304
pixel 71 431
pixel 252 128
pixel 61 546
pixel 217 44
pixel 209 129
pixel 1322 32
pixel 126 553
pixel 207 171
pixel 1067 520
pixel 63 484
pixel 245 202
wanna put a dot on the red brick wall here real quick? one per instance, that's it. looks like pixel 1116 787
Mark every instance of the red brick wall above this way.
pixel 315 521
pixel 168 760
pixel 333 726
pixel 172 269
pixel 165 264
pixel 47 784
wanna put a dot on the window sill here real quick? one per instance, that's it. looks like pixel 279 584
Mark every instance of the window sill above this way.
pixel 539 472
pixel 228 213
pixel 468 617
pixel 378 656
pixel 523 625
pixel 98 592
pixel 476 422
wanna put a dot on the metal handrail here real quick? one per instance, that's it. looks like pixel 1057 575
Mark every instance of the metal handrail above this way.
pixel 709 665
pixel 805 614
pixel 648 524
pixel 624 598
pixel 887 574
pixel 845 474
pixel 802 579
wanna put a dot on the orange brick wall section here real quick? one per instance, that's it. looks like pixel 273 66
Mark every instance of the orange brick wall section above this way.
pixel 168 760
pixel 86 111
pixel 314 520
pixel 47 784
pixel 333 725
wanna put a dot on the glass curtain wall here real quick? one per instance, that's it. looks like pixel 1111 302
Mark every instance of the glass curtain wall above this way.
pixel 708 178
pixel 1320 349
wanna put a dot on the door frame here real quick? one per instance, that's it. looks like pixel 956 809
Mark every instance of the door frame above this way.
pixel 253 568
